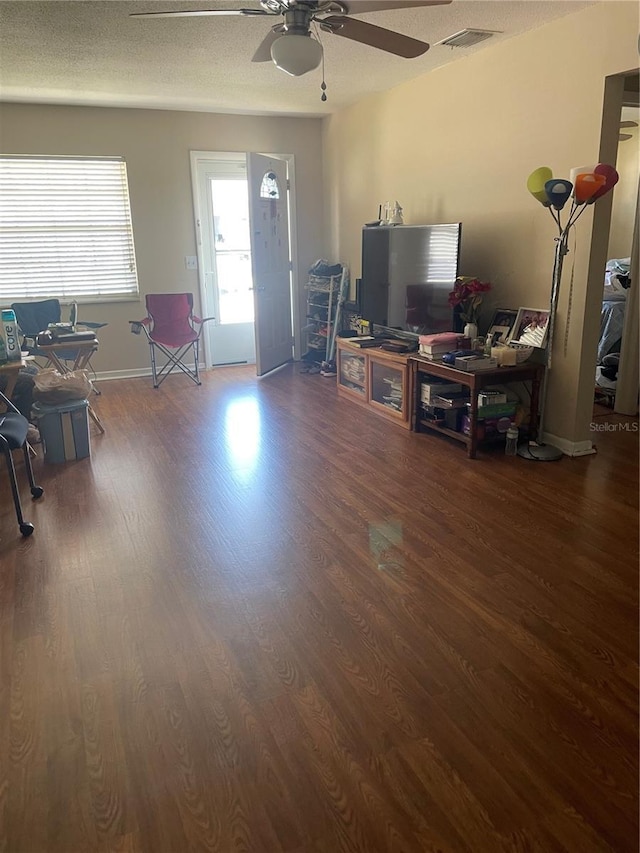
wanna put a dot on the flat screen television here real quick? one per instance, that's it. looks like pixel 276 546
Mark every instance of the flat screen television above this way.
pixel 408 272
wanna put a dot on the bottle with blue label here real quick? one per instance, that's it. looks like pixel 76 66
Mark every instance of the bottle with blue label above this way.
pixel 10 334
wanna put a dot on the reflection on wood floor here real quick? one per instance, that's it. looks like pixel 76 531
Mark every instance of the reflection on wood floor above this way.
pixel 261 618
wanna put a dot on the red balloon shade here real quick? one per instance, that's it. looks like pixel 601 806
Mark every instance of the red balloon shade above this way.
pixel 611 179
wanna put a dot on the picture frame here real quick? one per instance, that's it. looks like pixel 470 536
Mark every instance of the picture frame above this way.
pixel 502 324
pixel 531 327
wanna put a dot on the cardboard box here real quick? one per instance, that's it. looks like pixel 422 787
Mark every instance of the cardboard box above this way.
pixel 64 430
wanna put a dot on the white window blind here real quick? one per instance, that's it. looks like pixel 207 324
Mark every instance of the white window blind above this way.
pixel 65 229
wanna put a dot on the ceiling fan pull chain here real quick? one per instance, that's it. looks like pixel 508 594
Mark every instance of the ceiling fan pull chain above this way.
pixel 323 85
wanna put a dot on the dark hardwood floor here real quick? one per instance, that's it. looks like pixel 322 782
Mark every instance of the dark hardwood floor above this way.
pixel 261 618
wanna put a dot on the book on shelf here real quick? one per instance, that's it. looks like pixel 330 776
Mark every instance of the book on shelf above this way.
pixel 452 340
pixel 392 403
pixel 433 353
pixel 473 363
pixel 451 401
pixel 361 341
pixel 489 397
pixel 429 390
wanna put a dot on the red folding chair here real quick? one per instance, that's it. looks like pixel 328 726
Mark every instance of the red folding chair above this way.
pixel 173 328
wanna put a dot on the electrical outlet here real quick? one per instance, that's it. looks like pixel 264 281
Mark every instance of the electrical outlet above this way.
pixel 191 262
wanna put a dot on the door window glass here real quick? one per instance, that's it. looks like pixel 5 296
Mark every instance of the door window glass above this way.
pixel 269 186
pixel 232 246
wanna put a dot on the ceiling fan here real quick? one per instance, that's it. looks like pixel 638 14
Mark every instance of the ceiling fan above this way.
pixel 290 43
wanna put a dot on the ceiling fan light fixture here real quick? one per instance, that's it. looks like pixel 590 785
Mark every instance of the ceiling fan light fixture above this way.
pixel 296 54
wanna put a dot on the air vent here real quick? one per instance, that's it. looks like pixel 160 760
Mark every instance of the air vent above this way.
pixel 467 38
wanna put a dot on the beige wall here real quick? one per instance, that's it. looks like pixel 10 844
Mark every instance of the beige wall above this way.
pixel 156 146
pixel 458 144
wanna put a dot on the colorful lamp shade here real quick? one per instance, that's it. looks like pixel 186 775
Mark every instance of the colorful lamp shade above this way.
pixel 536 183
pixel 558 191
pixel 586 186
pixel 611 179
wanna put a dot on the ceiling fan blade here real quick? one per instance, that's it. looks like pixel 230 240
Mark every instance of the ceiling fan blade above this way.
pixel 359 7
pixel 379 37
pixel 263 53
pixel 200 12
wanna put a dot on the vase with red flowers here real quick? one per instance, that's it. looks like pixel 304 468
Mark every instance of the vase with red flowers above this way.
pixel 466 298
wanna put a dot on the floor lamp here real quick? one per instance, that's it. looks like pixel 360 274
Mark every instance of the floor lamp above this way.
pixel 586 186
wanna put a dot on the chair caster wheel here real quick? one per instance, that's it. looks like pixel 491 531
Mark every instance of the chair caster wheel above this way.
pixel 26 528
pixel 37 492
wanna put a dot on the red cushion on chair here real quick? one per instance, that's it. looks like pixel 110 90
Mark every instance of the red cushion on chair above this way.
pixel 171 314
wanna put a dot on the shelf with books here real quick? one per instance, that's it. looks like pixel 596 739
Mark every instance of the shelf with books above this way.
pixel 469 427
pixel 375 378
pixel 387 383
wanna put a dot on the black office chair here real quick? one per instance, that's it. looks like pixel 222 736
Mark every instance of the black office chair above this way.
pixel 13 436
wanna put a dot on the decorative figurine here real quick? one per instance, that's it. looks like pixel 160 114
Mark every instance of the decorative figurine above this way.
pixel 396 215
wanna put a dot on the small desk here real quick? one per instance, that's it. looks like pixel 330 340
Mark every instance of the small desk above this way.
pixel 85 349
pixel 11 370
pixel 475 382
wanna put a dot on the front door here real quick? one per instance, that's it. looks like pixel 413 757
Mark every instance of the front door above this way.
pixel 269 217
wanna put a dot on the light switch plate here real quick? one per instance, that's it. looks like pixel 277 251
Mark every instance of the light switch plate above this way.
pixel 191 262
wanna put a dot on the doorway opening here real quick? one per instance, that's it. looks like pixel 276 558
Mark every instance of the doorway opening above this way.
pixel 232 250
pixel 617 355
pixel 224 258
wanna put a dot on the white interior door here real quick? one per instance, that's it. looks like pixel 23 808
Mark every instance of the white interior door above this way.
pixel 269 217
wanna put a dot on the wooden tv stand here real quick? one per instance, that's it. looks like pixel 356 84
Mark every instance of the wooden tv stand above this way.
pixel 422 368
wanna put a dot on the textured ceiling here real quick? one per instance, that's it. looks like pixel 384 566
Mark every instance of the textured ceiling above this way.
pixel 91 52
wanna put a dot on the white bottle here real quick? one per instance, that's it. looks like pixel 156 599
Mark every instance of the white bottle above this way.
pixel 11 337
pixel 511 446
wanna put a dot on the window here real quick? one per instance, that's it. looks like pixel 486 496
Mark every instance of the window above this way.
pixel 65 229
pixel 269 186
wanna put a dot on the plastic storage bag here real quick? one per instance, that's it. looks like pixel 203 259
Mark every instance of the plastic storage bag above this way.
pixel 52 387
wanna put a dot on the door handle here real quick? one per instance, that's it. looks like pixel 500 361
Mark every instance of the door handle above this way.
pixel 258 289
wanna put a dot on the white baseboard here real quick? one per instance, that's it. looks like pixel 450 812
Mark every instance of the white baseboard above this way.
pixel 570 448
pixel 122 374
pixel 134 373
